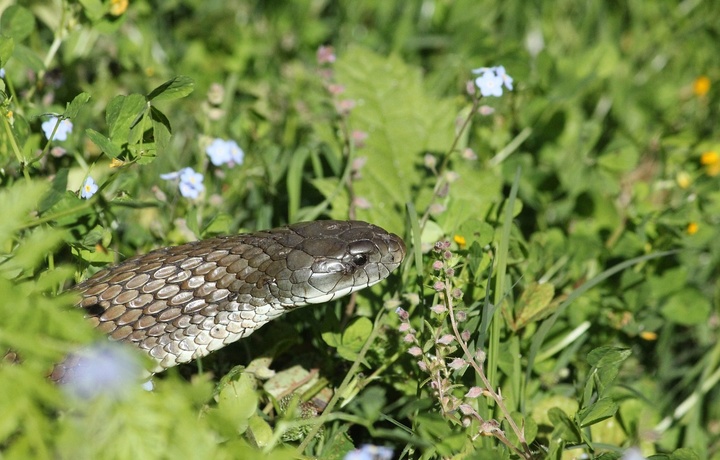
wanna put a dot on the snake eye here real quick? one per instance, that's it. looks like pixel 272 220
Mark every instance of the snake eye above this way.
pixel 360 259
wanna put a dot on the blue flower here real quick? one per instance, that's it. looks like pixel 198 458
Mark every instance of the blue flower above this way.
pixel 492 79
pixel 105 369
pixel 63 129
pixel 2 73
pixel 191 182
pixel 89 188
pixel 225 152
pixel 507 79
pixel 370 452
pixel 217 152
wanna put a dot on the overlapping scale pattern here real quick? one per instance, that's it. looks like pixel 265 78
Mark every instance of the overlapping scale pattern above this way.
pixel 182 302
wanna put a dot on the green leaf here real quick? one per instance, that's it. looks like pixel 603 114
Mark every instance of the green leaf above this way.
pixel 33 249
pixel 57 190
pixel 687 307
pixel 17 22
pixel 606 362
pixel 602 409
pixel 105 144
pixel 94 9
pixel 352 340
pixel 77 103
pixel 236 404
pixel 403 120
pixel 354 337
pixel 16 202
pixel 174 88
pixel 534 304
pixel 123 112
pixel 7 45
pixel 563 426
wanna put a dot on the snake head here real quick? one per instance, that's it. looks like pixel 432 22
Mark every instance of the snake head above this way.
pixel 335 258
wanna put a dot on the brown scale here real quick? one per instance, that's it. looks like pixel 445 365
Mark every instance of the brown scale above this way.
pixel 182 302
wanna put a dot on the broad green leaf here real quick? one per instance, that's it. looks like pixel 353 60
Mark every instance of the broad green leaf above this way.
pixel 17 22
pixel 7 45
pixel 77 103
pixel 123 112
pixel 28 57
pixel 602 409
pixel 534 304
pixel 606 362
pixel 564 426
pixel 94 9
pixel 403 121
pixel 105 144
pixel 687 307
pixel 352 340
pixel 174 88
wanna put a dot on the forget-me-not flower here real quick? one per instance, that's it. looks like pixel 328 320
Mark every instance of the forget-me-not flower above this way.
pixel 63 129
pixel 103 369
pixel 191 182
pixel 223 152
pixel 89 188
pixel 492 79
pixel 370 452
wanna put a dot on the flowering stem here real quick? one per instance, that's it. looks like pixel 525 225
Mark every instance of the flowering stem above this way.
pixel 526 453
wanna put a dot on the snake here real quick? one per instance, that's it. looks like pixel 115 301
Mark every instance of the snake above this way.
pixel 180 303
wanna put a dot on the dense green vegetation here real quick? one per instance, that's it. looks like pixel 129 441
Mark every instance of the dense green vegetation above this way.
pixel 560 298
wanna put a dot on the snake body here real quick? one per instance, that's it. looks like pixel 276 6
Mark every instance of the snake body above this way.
pixel 182 302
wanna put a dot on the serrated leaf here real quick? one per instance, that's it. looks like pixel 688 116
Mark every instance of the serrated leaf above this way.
pixel 76 104
pixel 403 121
pixel 105 144
pixel 174 88
pixel 17 22
pixel 602 409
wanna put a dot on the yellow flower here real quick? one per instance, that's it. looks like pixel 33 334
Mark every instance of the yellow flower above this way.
pixel 701 86
pixel 711 161
pixel 460 240
pixel 648 335
pixel 709 158
pixel 692 228
pixel 683 179
pixel 118 7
